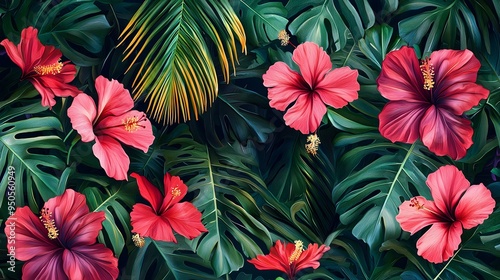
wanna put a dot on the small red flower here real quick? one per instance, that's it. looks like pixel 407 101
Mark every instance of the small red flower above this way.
pixel 290 258
pixel 61 243
pixel 165 213
pixel 427 99
pixel 110 123
pixel 316 86
pixel 456 205
pixel 42 66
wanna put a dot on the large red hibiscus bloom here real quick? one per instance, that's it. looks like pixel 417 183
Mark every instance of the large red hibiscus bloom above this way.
pixel 61 243
pixel 290 258
pixel 110 123
pixel 456 205
pixel 165 213
pixel 427 99
pixel 42 66
pixel 316 86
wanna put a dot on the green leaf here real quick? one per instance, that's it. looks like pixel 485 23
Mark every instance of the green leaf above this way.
pixel 378 42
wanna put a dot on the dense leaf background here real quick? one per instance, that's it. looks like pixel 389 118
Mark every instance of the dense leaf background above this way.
pixel 247 172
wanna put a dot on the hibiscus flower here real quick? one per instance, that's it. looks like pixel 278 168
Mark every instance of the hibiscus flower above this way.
pixel 427 99
pixel 290 258
pixel 316 86
pixel 110 123
pixel 456 205
pixel 42 66
pixel 165 213
pixel 61 243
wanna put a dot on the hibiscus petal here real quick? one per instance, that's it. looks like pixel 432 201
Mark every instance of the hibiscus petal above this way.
pixel 399 121
pixel 13 53
pixel 277 259
pixel 148 191
pixel 306 114
pixel 146 223
pixel 114 99
pixel 45 267
pixel 85 230
pixel 447 185
pixel 185 219
pixel 140 137
pixel 285 85
pixel 171 184
pixel 310 257
pixel 30 235
pixel 82 114
pixel 475 206
pixel 112 157
pixel 413 219
pixel 90 262
pixel 48 96
pixel 439 242
pixel 313 62
pixel 339 87
pixel 31 49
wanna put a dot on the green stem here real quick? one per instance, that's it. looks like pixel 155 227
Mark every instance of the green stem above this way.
pixel 71 147
pixel 67 136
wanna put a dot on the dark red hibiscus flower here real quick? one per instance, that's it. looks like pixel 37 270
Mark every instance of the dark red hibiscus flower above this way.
pixel 428 99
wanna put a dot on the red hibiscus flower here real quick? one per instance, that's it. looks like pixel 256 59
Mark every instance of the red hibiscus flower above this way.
pixel 456 205
pixel 42 66
pixel 61 243
pixel 316 86
pixel 165 213
pixel 290 258
pixel 427 99
pixel 109 124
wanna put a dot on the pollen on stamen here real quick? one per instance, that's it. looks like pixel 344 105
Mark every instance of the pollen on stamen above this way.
pixel 48 223
pixel 132 124
pixel 284 37
pixel 52 69
pixel 299 248
pixel 428 72
pixel 176 192
pixel 312 144
pixel 415 203
pixel 138 240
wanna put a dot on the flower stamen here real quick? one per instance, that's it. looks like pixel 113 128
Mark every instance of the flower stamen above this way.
pixel 299 248
pixel 312 144
pixel 52 69
pixel 49 223
pixel 415 203
pixel 132 124
pixel 176 192
pixel 138 240
pixel 428 71
pixel 284 37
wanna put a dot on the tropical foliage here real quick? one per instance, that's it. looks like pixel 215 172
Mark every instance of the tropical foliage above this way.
pixel 227 89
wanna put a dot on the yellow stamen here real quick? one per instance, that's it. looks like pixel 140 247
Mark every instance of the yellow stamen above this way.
pixel 312 144
pixel 284 37
pixel 52 69
pixel 48 223
pixel 299 248
pixel 176 192
pixel 138 240
pixel 415 203
pixel 428 71
pixel 131 124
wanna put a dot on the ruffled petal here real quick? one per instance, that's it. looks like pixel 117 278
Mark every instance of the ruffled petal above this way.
pixel 148 191
pixel 306 114
pixel 146 223
pixel 401 78
pixel 50 86
pixel 13 53
pixel 440 242
pixel 284 85
pixel 446 134
pixel 132 128
pixel 114 99
pixel 313 62
pixel 85 230
pixel 185 219
pixel 112 157
pixel 277 259
pixel 45 267
pixel 447 185
pixel 82 114
pixel 339 87
pixel 413 219
pixel 399 121
pixel 31 49
pixel 91 262
pixel 311 256
pixel 48 96
pixel 172 184
pixel 475 206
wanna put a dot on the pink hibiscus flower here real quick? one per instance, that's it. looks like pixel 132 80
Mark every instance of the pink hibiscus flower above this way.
pixel 316 86
pixel 109 124
pixel 42 66
pixel 165 213
pixel 61 243
pixel 456 205
pixel 427 99
pixel 290 258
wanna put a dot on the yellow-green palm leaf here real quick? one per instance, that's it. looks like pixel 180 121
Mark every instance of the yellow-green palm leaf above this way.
pixel 177 77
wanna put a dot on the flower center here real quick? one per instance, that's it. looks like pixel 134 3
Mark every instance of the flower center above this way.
pixel 299 248
pixel 176 192
pixel 312 144
pixel 138 240
pixel 132 124
pixel 415 203
pixel 52 69
pixel 283 37
pixel 48 223
pixel 428 71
